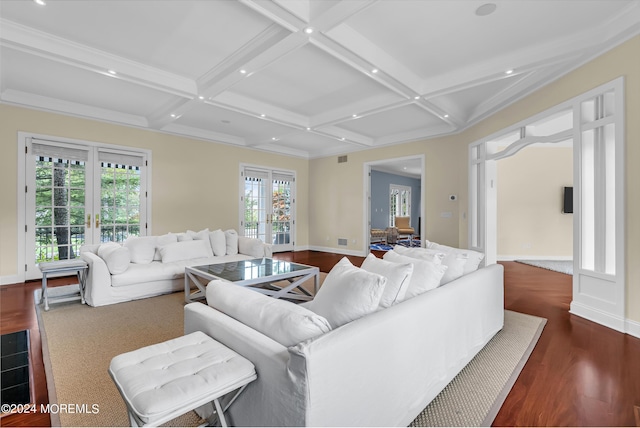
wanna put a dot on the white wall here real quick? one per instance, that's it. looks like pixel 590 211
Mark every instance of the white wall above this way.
pixel 530 188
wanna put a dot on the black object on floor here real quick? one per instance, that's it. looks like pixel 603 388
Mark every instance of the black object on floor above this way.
pixel 14 367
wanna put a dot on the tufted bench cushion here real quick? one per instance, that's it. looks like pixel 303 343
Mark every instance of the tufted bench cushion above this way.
pixel 163 381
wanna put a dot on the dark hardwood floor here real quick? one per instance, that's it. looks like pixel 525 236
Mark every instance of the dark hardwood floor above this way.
pixel 579 374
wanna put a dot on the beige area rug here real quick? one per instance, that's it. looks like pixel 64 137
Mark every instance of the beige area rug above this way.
pixel 79 342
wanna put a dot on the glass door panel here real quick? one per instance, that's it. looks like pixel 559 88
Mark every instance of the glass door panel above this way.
pixel 267 207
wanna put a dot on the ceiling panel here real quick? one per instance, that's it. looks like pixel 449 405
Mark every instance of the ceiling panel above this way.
pixel 395 121
pixel 184 37
pixel 36 75
pixel 313 143
pixel 309 81
pixel 439 36
pixel 215 119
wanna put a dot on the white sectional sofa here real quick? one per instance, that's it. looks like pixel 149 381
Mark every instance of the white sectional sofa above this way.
pixel 381 365
pixel 148 266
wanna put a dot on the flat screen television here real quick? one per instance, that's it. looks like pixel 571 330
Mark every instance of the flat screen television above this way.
pixel 567 200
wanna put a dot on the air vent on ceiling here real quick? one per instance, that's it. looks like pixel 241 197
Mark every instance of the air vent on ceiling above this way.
pixel 342 159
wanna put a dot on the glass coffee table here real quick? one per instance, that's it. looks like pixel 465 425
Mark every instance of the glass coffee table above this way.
pixel 275 278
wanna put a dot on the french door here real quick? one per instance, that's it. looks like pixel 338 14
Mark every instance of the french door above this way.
pixel 78 194
pixel 268 206
pixel 399 202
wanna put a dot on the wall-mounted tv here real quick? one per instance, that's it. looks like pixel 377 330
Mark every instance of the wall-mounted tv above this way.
pixel 567 200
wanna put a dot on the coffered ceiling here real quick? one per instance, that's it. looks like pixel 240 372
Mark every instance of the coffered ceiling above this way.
pixel 308 78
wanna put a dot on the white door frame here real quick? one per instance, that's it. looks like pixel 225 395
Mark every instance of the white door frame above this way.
pixel 24 139
pixel 367 199
pixel 597 296
pixel 241 209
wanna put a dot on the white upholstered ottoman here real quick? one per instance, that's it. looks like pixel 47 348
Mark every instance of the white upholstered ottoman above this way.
pixel 161 382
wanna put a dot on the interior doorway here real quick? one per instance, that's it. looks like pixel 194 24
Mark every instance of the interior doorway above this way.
pixel 393 187
pixel 595 123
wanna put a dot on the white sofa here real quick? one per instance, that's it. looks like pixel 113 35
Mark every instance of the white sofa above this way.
pixel 153 265
pixel 378 370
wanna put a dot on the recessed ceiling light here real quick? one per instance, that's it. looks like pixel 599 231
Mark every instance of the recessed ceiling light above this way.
pixel 308 30
pixel 446 116
pixel 308 129
pixel 40 2
pixel 374 71
pixel 508 72
pixel 173 115
pixel 262 115
pixel 274 138
pixel 417 97
pixel 201 97
pixel 342 139
pixel 354 115
pixel 112 72
pixel 243 71
pixel 486 9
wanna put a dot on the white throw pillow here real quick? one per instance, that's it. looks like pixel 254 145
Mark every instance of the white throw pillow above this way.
pixel 142 248
pixel 183 237
pixel 282 321
pixel 231 237
pixel 116 257
pixel 250 246
pixel 398 278
pixel 348 293
pixel 203 236
pixel 185 250
pixel 421 253
pixel 473 257
pixel 455 263
pixel 163 240
pixel 218 243
pixel 426 274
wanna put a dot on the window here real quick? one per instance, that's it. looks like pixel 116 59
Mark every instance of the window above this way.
pixel 399 202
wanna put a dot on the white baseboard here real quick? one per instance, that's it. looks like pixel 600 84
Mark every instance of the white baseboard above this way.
pixel 9 279
pixel 338 251
pixel 632 328
pixel 507 258
pixel 597 316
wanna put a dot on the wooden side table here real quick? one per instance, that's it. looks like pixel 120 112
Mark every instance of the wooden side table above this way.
pixel 78 266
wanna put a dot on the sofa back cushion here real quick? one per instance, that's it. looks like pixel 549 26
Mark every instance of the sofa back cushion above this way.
pixel 184 250
pixel 398 278
pixel 231 237
pixel 203 236
pixel 115 256
pixel 218 243
pixel 251 247
pixel 142 248
pixel 282 321
pixel 426 275
pixel 163 240
pixel 473 257
pixel 348 293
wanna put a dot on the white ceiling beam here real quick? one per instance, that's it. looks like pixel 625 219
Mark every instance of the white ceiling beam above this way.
pixel 276 13
pixel 339 13
pixel 13 96
pixel 201 134
pixel 55 48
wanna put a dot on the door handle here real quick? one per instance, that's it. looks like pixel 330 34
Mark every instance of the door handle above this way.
pixel 97 221
pixel 88 221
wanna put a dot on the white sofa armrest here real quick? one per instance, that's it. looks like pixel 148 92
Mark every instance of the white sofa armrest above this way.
pixel 268 250
pixel 98 278
pixel 272 399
